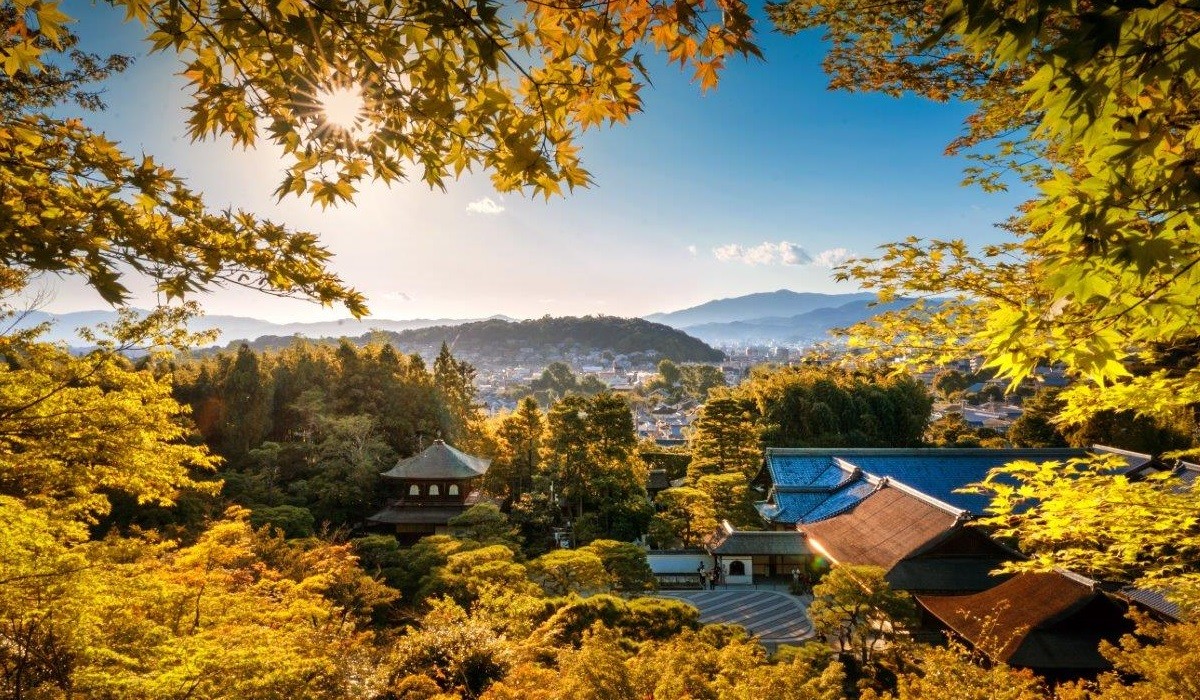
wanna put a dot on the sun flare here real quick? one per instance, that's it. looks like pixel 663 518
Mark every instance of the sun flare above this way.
pixel 342 106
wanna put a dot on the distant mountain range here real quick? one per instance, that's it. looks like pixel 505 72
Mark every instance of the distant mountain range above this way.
pixel 781 317
pixel 239 327
pixel 781 304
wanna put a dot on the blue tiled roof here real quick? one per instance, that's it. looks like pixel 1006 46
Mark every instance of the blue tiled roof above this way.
pixel 804 471
pixel 792 507
pixel 841 501
pixel 937 476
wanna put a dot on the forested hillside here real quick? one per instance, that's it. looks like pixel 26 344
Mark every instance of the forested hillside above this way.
pixel 555 336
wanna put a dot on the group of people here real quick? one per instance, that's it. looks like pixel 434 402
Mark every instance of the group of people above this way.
pixel 709 578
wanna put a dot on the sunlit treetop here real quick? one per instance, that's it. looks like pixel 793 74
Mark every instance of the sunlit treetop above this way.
pixel 350 91
pixel 1096 105
pixel 444 86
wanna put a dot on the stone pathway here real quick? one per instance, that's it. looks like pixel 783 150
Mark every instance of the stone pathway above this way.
pixel 776 618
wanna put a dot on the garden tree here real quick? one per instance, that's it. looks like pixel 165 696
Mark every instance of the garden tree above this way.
pixel 685 517
pixel 289 521
pixel 636 619
pixel 949 382
pixel 556 381
pixel 714 663
pixel 486 525
pixel 564 571
pixel 1162 659
pixel 1127 430
pixel 1083 515
pixel 236 614
pixel 668 380
pixel 952 672
pixel 855 607
pixel 457 652
pixel 246 405
pixel 470 571
pixel 827 406
pixel 526 681
pixel 535 514
pixel 1035 426
pixel 952 430
pixel 610 427
pixel 589 455
pixel 518 445
pixel 625 563
pixel 724 440
pixel 73 428
pixel 566 455
pixel 455 382
pixel 699 379
pixel 686 381
pixel 596 671
pixel 732 500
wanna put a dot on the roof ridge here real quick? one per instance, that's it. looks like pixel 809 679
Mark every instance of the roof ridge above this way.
pixel 1078 578
pixel 888 481
pixel 948 451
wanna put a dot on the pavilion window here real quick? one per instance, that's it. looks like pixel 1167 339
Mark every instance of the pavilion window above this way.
pixel 453 490
pixel 434 490
pixel 414 490
pixel 737 568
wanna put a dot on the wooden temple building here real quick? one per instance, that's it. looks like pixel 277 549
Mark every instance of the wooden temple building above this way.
pixel 428 490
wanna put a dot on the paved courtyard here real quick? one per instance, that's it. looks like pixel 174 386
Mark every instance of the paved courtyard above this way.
pixel 776 618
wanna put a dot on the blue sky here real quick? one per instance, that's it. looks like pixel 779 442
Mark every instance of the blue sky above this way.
pixel 700 197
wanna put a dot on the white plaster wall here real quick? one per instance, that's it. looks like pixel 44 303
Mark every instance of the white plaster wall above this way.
pixel 678 563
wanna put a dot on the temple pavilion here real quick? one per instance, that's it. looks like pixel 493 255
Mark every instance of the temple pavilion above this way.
pixel 428 489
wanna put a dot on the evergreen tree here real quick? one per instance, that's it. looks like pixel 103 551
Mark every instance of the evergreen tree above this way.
pixel 725 440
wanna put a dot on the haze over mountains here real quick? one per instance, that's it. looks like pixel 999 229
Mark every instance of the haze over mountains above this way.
pixel 782 316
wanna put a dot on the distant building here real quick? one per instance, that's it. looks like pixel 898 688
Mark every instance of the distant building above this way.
pixel 430 489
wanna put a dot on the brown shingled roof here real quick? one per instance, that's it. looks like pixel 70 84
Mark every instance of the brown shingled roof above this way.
pixel 1035 620
pixel 887 526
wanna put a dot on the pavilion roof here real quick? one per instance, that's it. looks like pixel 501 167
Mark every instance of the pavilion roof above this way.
pixel 439 461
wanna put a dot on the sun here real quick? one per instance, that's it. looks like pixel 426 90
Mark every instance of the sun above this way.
pixel 342 106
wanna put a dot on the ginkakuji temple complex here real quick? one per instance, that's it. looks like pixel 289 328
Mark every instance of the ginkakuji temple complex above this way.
pixel 429 489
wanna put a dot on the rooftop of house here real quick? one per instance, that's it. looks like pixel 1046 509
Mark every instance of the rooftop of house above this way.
pixel 1042 621
pixel 807 485
pixel 439 461
pixel 727 541
pixel 889 525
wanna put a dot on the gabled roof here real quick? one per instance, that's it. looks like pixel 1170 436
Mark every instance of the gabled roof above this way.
pixel 728 542
pixel 1037 620
pixel 809 484
pixel 439 461
pixel 417 515
pixel 1153 600
pixel 891 524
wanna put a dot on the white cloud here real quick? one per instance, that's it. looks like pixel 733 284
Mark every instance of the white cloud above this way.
pixel 395 296
pixel 692 250
pixel 792 254
pixel 832 257
pixel 783 253
pixel 485 205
